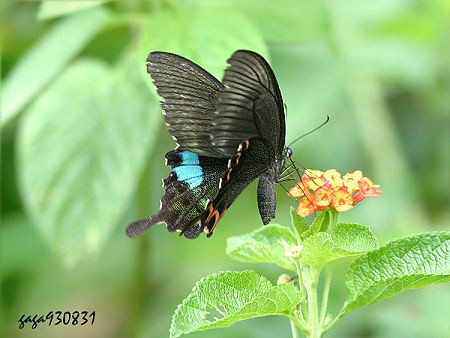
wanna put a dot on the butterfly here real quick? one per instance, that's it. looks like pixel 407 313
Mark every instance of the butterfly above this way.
pixel 228 134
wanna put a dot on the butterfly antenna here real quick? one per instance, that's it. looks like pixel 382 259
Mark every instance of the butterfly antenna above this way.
pixel 310 132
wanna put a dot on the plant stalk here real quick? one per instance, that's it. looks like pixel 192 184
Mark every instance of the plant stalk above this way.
pixel 294 329
pixel 325 294
pixel 333 218
pixel 334 321
pixel 300 277
pixel 313 309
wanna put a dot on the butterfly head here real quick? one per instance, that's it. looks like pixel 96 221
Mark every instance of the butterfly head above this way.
pixel 287 152
pixel 281 162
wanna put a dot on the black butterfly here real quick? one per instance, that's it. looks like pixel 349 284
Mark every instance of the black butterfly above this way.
pixel 227 135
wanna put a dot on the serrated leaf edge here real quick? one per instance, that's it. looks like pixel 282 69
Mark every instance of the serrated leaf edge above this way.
pixel 221 273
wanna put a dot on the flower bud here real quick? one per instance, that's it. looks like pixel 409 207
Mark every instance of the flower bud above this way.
pixel 283 279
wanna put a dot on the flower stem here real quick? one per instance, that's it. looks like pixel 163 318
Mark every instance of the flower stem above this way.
pixel 333 218
pixel 325 294
pixel 299 275
pixel 334 321
pixel 294 329
pixel 313 309
pixel 300 322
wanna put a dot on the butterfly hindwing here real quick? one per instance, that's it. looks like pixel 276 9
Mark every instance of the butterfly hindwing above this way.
pixel 249 162
pixel 192 182
pixel 190 96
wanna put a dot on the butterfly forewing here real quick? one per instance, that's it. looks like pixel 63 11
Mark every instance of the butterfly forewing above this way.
pixel 190 99
pixel 250 105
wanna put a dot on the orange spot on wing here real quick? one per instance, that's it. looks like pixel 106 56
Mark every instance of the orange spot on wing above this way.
pixel 209 229
pixel 238 156
pixel 229 174
pixel 216 217
pixel 211 211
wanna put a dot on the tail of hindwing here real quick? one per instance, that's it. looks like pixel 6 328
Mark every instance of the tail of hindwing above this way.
pixel 192 182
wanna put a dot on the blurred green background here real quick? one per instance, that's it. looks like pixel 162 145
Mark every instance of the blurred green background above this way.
pixel 82 146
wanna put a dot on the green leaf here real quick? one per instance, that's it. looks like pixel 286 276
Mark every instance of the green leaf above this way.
pixel 326 221
pixel 264 245
pixel 286 22
pixel 184 33
pixel 320 222
pixel 298 224
pixel 354 238
pixel 81 148
pixel 222 299
pixel 347 240
pixel 52 9
pixel 47 58
pixel 408 263
pixel 318 249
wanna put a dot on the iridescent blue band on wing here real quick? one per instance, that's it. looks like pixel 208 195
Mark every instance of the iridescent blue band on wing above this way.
pixel 189 170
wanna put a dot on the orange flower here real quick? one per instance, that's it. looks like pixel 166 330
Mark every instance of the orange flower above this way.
pixel 306 206
pixel 325 190
pixel 342 201
pixel 357 197
pixel 366 190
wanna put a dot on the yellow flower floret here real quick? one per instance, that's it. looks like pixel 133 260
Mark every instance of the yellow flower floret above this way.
pixel 350 181
pixel 324 197
pixel 334 178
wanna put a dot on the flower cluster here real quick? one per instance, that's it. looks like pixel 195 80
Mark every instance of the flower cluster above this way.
pixel 323 190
